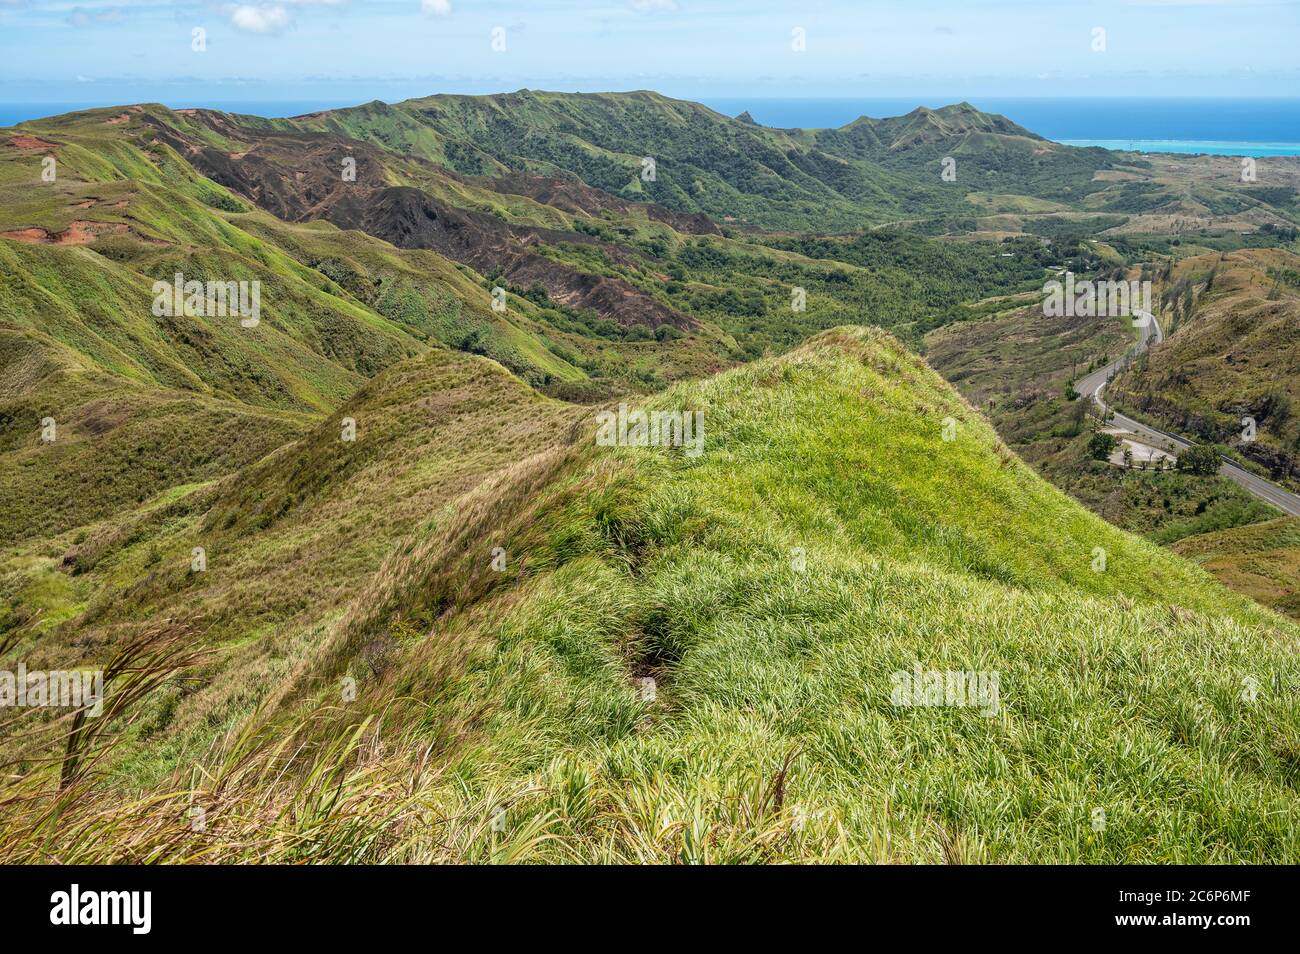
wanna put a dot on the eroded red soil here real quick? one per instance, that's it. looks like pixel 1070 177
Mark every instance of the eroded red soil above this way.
pixel 30 142
pixel 77 233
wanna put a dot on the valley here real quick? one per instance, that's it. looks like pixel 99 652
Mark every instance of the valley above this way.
pixel 369 587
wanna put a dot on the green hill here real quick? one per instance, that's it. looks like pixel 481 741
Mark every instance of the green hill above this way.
pixel 772 586
pixel 704 162
pixel 1261 560
pixel 990 153
pixel 289 539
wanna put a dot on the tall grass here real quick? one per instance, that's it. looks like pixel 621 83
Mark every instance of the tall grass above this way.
pixel 505 726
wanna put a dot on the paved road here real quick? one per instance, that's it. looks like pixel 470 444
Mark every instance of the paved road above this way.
pixel 1092 385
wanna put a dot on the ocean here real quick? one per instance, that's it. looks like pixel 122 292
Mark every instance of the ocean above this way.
pixel 1192 146
pixel 1244 127
pixel 1240 127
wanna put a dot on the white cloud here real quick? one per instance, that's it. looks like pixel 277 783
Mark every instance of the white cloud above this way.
pixel 270 17
pixel 648 6
pixel 82 17
pixel 436 8
pixel 259 19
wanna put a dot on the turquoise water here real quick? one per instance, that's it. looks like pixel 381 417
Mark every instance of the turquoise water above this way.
pixel 1193 146
pixel 1222 126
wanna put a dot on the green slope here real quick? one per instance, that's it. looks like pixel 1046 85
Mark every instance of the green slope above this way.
pixel 1232 352
pixel 146 402
pixel 290 534
pixel 705 162
pixel 156 215
pixel 951 555
pixel 114 443
pixel 827 538
pixel 991 154
pixel 423 292
pixel 1261 560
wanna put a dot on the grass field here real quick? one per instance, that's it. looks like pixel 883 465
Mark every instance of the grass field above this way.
pixel 771 586
pixel 1261 560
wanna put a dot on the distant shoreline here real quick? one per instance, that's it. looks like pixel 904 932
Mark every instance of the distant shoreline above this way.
pixel 1191 146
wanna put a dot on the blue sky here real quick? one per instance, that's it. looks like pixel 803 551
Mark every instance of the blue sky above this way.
pixel 115 51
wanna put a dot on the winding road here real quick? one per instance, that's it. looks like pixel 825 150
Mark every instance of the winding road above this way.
pixel 1091 386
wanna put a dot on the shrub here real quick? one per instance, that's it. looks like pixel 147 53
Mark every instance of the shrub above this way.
pixel 1200 460
pixel 1101 445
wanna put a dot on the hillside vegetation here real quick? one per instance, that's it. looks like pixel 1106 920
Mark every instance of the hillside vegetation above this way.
pixel 771 587
pixel 1233 353
pixel 1261 560
pixel 1018 366
pixel 364 587
pixel 868 172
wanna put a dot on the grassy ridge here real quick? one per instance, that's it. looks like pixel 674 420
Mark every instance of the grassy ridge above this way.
pixel 773 735
pixel 683 569
pixel 289 540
